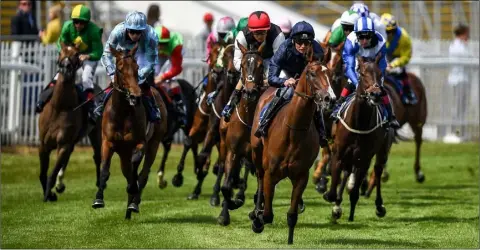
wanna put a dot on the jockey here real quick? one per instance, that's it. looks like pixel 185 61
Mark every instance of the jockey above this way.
pixel 242 23
pixel 124 37
pixel 340 33
pixel 224 25
pixel 80 31
pixel 362 10
pixel 287 64
pixel 170 46
pixel 368 43
pixel 286 26
pixel 258 30
pixel 399 52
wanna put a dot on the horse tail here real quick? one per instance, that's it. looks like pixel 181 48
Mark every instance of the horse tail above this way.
pixel 190 97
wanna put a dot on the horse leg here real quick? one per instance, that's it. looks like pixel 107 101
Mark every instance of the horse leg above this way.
pixel 59 185
pixel 269 182
pixel 240 196
pixel 418 130
pixel 337 209
pixel 151 152
pixel 201 174
pixel 131 176
pixel 257 214
pixel 107 153
pixel 320 174
pixel 371 184
pixel 160 181
pixel 299 185
pixel 44 155
pixel 95 139
pixel 378 168
pixel 215 198
pixel 206 150
pixel 63 155
pixel 177 180
pixel 355 192
pixel 232 161
pixel 331 194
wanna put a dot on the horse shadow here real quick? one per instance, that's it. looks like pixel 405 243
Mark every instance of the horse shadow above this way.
pixel 374 242
pixel 191 219
pixel 436 219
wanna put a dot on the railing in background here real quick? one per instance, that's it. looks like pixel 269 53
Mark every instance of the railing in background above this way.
pixel 25 69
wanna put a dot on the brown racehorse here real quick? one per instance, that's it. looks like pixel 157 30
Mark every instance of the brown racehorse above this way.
pixel 414 115
pixel 358 136
pixel 235 135
pixel 126 132
pixel 200 119
pixel 291 146
pixel 60 127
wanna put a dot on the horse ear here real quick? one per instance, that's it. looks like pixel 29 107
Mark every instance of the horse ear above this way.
pixel 240 46
pixel 134 50
pixel 360 62
pixel 62 46
pixel 113 50
pixel 260 49
pixel 309 54
pixel 327 55
pixel 222 42
pixel 378 57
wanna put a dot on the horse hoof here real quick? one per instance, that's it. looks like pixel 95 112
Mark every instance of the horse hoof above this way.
pixel 128 215
pixel 162 184
pixel 257 225
pixel 60 188
pixel 367 194
pixel 223 220
pixel 321 188
pixel 329 197
pixel 420 177
pixel 133 207
pixel 252 216
pixel 336 212
pixel 239 200
pixel 301 208
pixel 215 169
pixel 381 211
pixel 51 197
pixel 385 177
pixel 98 203
pixel 177 180
pixel 214 201
pixel 192 197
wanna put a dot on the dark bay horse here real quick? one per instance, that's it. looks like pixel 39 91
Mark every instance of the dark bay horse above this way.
pixel 291 146
pixel 61 127
pixel 125 131
pixel 235 135
pixel 358 136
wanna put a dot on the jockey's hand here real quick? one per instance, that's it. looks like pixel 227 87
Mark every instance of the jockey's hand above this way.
pixel 289 82
pixel 158 79
pixel 84 57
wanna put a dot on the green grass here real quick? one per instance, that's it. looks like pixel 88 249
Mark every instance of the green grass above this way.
pixel 440 213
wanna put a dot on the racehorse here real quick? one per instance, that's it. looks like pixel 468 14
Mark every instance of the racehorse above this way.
pixel 359 135
pixel 235 135
pixel 199 126
pixel 125 131
pixel 61 126
pixel 173 126
pixel 292 143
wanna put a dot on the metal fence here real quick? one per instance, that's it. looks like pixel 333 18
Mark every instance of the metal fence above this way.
pixel 26 67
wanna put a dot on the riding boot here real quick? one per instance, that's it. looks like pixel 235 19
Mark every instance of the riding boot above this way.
pixel 98 111
pixel 211 97
pixel 180 109
pixel 44 97
pixel 319 123
pixel 153 110
pixel 234 99
pixel 409 96
pixel 349 88
pixel 267 116
pixel 392 120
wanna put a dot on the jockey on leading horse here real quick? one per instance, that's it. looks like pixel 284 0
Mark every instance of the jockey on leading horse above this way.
pixel 399 52
pixel 87 36
pixel 170 47
pixel 287 63
pixel 124 36
pixel 259 30
pixel 367 43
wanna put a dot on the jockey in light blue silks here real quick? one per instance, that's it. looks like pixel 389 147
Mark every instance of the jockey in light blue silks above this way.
pixel 124 37
pixel 367 43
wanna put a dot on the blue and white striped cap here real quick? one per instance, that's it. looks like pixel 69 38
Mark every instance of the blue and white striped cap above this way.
pixel 364 24
pixel 361 9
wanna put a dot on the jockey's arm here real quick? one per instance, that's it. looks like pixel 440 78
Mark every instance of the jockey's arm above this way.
pixel 210 41
pixel 97 46
pixel 237 56
pixel 63 35
pixel 151 55
pixel 278 42
pixel 107 60
pixel 405 49
pixel 176 61
pixel 278 60
pixel 349 52
pixel 336 37
pixel 382 64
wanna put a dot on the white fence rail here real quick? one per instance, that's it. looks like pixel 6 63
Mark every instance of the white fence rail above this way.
pixel 26 68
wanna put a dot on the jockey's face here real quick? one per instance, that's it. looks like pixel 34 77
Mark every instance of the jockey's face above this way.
pixel 162 49
pixel 390 34
pixel 79 24
pixel 364 39
pixel 347 29
pixel 302 45
pixel 260 35
pixel 134 35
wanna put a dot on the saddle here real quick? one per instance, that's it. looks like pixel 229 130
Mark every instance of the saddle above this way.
pixel 396 82
pixel 342 109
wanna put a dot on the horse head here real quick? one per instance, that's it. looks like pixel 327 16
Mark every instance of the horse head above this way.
pixel 69 61
pixel 126 74
pixel 232 74
pixel 213 57
pixel 252 69
pixel 370 80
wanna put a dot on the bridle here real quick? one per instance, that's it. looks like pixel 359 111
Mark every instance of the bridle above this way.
pixel 118 74
pixel 250 95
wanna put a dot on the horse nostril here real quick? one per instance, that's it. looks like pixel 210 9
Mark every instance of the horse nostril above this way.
pixel 327 98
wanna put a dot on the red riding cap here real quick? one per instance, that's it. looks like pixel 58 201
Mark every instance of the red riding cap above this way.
pixel 207 17
pixel 258 20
